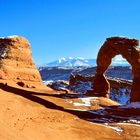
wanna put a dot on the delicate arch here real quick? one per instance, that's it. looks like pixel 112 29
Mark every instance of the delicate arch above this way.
pixel 118 46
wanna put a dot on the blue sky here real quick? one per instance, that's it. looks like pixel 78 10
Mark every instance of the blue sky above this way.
pixel 63 28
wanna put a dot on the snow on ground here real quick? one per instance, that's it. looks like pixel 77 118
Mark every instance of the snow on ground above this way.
pixel 12 36
pixel 3 52
pixel 116 128
pixel 48 82
pixel 121 95
pixel 80 104
pixel 104 114
pixel 86 101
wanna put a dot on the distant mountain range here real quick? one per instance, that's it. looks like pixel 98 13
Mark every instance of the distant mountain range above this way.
pixel 74 62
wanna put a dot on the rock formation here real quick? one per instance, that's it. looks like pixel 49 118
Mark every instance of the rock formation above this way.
pixel 114 83
pixel 119 88
pixel 16 62
pixel 118 46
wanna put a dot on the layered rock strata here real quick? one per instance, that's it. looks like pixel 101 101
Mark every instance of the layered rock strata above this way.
pixel 114 83
pixel 16 62
pixel 118 46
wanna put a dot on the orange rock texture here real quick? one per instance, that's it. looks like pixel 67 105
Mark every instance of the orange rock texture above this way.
pixel 118 46
pixel 16 62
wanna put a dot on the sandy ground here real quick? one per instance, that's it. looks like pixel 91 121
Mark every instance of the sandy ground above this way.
pixel 43 114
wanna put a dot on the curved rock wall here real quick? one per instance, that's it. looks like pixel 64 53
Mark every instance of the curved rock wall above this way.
pixel 128 49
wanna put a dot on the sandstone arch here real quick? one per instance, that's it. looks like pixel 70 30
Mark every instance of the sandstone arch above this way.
pixel 118 46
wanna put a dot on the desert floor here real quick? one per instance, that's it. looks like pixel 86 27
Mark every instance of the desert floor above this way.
pixel 43 114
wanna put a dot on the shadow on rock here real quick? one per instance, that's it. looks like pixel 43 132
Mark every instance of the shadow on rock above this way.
pixel 106 115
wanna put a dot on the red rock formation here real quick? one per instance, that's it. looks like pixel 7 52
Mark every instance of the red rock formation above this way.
pixel 114 83
pixel 128 49
pixel 16 62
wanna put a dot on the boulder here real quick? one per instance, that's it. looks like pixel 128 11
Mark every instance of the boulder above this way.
pixel 16 62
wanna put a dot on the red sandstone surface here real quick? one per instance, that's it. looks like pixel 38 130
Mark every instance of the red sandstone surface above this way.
pixel 40 113
pixel 16 62
pixel 118 46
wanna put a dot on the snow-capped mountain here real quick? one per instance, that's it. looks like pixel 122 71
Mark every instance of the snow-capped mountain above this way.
pixel 72 62
pixel 119 61
pixel 79 61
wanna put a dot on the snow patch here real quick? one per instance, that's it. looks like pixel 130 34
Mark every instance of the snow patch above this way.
pixel 116 128
pixel 132 121
pixel 80 104
pixel 3 52
pixel 61 60
pixel 12 36
pixel 77 109
pixel 121 95
pixel 48 82
pixel 86 101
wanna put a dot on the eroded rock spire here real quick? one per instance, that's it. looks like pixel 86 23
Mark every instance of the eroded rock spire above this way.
pixel 16 62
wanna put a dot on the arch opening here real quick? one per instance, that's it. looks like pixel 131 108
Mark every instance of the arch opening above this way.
pixel 118 60
pixel 120 68
pixel 112 47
